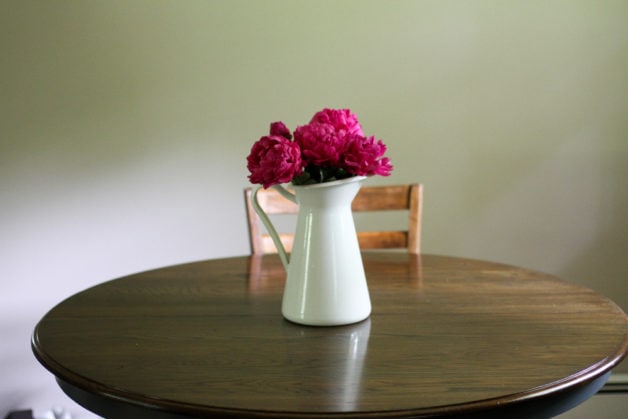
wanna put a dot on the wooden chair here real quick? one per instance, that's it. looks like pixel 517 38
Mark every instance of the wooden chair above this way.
pixel 369 198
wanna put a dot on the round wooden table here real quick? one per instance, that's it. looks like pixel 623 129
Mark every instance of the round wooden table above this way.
pixel 448 337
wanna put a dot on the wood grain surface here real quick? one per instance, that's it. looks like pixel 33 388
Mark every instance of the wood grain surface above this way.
pixel 447 336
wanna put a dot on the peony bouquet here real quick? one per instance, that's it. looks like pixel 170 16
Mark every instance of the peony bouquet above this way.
pixel 331 147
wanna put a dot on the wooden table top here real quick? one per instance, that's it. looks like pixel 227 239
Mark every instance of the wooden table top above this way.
pixel 447 336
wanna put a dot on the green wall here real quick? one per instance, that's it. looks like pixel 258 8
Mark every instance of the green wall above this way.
pixel 124 126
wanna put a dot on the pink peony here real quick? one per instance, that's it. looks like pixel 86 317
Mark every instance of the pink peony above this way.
pixel 320 144
pixel 331 146
pixel 364 157
pixel 343 121
pixel 274 159
pixel 279 128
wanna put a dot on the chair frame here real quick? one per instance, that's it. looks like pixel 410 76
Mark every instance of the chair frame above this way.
pixel 369 198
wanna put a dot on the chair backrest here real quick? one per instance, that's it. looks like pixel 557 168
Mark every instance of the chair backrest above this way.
pixel 369 198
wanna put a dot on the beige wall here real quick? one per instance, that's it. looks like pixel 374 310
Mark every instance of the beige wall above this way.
pixel 125 125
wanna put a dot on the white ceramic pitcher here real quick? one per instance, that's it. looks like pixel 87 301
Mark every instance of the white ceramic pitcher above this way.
pixel 325 284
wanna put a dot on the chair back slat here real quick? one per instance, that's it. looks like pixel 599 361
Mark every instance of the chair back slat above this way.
pixel 369 198
pixel 382 239
pixel 274 203
pixel 382 198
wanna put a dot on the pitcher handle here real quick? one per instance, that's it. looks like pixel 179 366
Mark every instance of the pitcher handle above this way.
pixel 283 255
pixel 285 193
